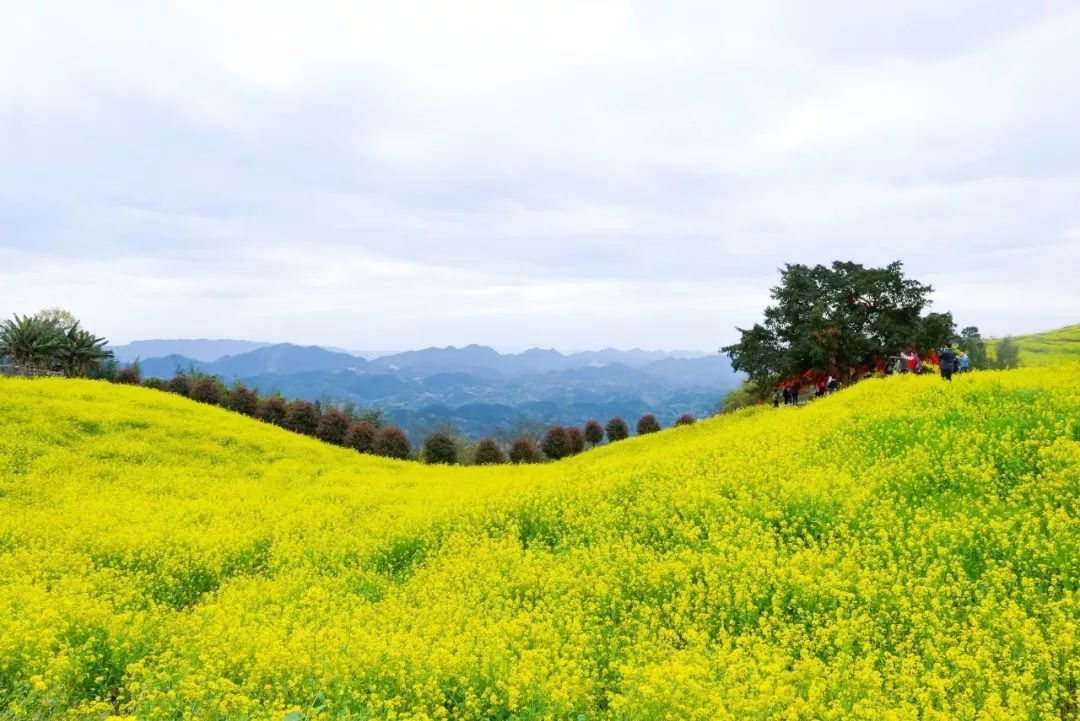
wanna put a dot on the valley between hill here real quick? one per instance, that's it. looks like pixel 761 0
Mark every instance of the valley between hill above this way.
pixel 904 549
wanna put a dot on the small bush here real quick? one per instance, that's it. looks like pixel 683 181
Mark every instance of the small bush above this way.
pixel 1007 354
pixel 747 394
pixel 392 443
pixel 242 400
pixel 130 375
pixel 155 383
pixel 488 453
pixel 555 445
pixel 594 433
pixel 333 426
pixel 522 450
pixel 439 447
pixel 617 430
pixel 361 436
pixel 647 424
pixel 272 410
pixel 685 420
pixel 575 440
pixel 207 389
pixel 179 384
pixel 302 417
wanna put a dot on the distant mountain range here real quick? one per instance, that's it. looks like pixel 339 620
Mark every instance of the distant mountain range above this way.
pixel 200 349
pixel 475 388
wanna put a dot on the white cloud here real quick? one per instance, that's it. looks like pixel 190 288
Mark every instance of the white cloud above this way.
pixel 568 174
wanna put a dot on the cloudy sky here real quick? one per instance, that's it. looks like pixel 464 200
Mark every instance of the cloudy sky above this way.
pixel 581 174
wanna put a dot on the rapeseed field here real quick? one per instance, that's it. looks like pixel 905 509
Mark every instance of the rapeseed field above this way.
pixel 905 549
pixel 1048 348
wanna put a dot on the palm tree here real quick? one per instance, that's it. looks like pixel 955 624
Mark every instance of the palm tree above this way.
pixel 31 342
pixel 80 350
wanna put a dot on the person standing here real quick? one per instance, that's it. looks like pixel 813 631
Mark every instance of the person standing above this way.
pixel 965 362
pixel 948 358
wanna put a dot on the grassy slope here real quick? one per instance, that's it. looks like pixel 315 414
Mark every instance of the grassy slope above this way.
pixel 904 549
pixel 1044 349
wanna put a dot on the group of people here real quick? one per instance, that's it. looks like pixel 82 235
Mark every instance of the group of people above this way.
pixel 953 362
pixel 949 361
pixel 790 392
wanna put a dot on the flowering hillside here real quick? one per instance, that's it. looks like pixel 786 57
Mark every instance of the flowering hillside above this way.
pixel 1049 348
pixel 905 549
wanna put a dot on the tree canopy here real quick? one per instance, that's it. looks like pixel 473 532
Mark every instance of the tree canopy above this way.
pixel 841 319
pixel 51 340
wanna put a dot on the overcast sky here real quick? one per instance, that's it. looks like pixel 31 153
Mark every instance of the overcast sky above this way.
pixel 393 175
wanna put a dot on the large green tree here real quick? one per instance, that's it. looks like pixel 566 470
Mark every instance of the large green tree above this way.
pixel 81 350
pixel 972 343
pixel 838 319
pixel 52 340
pixel 31 342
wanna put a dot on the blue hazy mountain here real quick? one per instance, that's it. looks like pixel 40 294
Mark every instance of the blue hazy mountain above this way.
pixel 278 359
pixel 476 388
pixel 199 349
pixel 483 360
pixel 283 358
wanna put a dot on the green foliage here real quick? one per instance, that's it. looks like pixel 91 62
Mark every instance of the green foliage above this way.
pixel 575 440
pixel 971 342
pixel 301 417
pixel 747 394
pixel 207 389
pixel 105 369
pixel 179 384
pixel 374 416
pixel 31 342
pixel 647 424
pixel 523 450
pixel 935 330
pixel 130 374
pixel 361 436
pixel 556 444
pixel 594 432
pixel 1006 353
pixel 57 317
pixel 391 441
pixel 617 430
pixel 53 340
pixel 333 425
pixel 80 350
pixel 488 453
pixel 439 447
pixel 272 410
pixel 838 318
pixel 242 399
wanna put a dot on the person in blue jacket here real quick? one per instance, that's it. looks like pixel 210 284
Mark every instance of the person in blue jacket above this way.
pixel 965 362
pixel 948 358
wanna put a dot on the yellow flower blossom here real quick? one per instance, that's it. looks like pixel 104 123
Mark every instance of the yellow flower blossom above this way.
pixel 904 549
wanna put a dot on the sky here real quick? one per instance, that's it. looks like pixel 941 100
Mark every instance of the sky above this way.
pixel 518 174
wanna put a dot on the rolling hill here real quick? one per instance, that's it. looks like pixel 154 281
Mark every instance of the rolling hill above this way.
pixel 903 549
pixel 476 389
pixel 1048 348
pixel 201 350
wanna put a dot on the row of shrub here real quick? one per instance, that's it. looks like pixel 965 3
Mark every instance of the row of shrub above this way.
pixel 557 442
pixel 331 424
pixel 341 427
